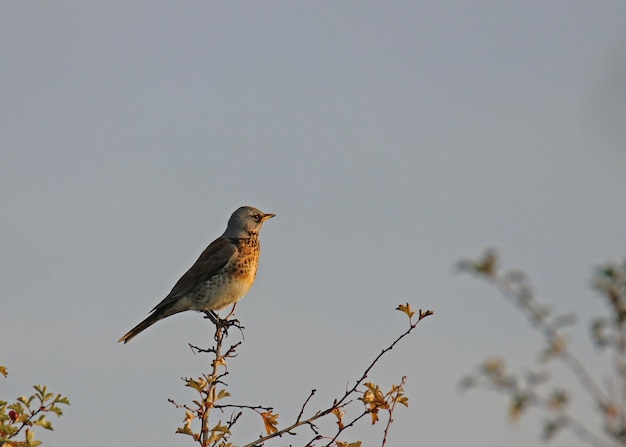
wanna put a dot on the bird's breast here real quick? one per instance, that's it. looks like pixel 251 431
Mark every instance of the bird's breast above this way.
pixel 233 282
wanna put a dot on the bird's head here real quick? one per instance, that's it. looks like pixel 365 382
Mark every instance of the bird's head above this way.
pixel 245 222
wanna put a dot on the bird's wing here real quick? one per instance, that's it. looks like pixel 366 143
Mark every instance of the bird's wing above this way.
pixel 211 261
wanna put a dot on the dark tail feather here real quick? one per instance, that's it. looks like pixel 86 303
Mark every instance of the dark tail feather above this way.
pixel 145 324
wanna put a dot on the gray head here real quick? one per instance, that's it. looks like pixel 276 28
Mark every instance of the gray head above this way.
pixel 245 222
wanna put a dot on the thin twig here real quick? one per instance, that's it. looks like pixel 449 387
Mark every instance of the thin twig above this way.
pixel 304 404
pixel 393 407
pixel 244 407
pixel 412 326
pixel 345 427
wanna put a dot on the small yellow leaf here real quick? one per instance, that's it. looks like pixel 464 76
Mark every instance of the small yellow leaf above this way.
pixel 189 416
pixel 339 414
pixel 348 444
pixel 221 428
pixel 406 308
pixel 4 371
pixel 220 361
pixel 197 385
pixel 374 414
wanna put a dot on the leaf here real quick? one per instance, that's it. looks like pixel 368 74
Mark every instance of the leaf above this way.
pixel 30 435
pixel 43 422
pixel 4 371
pixel 271 421
pixel 222 394
pixel 339 414
pixel 346 444
pixel 374 414
pixel 373 396
pixel 56 410
pixel 42 393
pixel 61 400
pixel 197 385
pixel 221 428
pixel 518 405
pixel 186 428
pixel 219 362
pixel 406 308
pixel 218 432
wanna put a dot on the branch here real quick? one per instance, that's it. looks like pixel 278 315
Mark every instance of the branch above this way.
pixel 544 403
pixel 412 325
pixel 342 401
pixel 393 407
pixel 551 333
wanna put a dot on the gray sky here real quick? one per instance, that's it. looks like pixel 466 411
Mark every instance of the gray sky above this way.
pixel 390 139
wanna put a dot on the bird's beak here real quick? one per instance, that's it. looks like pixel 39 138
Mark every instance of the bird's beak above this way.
pixel 268 216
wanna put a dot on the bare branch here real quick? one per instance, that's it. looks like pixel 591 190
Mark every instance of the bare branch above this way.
pixel 304 404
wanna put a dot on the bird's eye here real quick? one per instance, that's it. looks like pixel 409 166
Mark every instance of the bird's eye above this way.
pixel 256 217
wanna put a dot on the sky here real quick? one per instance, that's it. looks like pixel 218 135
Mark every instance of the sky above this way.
pixel 391 140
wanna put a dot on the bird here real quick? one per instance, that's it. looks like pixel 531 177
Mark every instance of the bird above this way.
pixel 221 276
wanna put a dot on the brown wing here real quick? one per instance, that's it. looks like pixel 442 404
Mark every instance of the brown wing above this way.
pixel 211 261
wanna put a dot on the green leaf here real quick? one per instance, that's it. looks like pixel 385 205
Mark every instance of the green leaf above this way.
pixel 56 410
pixel 222 394
pixel 43 422
pixel 61 400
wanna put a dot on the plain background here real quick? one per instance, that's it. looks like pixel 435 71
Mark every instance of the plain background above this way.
pixel 391 140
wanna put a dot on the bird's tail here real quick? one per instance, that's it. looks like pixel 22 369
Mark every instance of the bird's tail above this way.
pixel 145 324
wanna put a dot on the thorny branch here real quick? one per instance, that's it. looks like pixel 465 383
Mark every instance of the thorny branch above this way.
pixel 206 386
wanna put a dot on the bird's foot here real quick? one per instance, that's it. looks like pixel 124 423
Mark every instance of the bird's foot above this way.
pixel 223 323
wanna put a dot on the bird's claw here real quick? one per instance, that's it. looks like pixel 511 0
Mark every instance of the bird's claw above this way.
pixel 222 323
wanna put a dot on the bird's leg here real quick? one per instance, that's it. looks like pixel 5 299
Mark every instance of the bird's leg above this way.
pixel 223 323
pixel 231 313
pixel 211 316
pixel 234 322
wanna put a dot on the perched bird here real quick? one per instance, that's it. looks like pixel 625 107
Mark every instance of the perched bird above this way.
pixel 221 276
